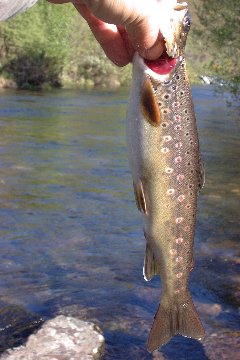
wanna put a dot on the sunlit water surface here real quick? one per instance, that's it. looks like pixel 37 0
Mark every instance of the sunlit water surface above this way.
pixel 71 237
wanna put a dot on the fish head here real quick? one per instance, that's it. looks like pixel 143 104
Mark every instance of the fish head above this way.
pixel 175 28
pixel 184 28
pixel 174 23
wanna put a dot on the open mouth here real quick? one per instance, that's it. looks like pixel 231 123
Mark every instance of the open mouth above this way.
pixel 163 65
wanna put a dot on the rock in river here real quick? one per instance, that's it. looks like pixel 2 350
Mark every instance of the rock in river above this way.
pixel 61 338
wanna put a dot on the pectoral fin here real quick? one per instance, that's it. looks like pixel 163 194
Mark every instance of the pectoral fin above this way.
pixel 150 267
pixel 140 197
pixel 149 105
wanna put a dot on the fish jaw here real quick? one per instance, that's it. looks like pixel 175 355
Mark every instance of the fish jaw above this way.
pixel 174 23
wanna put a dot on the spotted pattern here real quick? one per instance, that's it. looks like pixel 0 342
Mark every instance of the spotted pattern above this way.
pixel 167 138
pixel 180 177
pixel 165 150
pixel 179 148
pixel 181 198
pixel 178 159
pixel 179 220
pixel 169 170
pixel 177 133
pixel 179 241
pixel 173 252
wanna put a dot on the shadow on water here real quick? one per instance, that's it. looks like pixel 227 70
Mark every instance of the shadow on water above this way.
pixel 182 349
pixel 131 347
pixel 71 238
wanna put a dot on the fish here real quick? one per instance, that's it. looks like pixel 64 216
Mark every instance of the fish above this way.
pixel 167 172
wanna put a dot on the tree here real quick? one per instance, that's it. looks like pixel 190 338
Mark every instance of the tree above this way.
pixel 35 45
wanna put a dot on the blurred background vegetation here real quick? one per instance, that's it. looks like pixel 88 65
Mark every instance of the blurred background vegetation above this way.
pixel 51 45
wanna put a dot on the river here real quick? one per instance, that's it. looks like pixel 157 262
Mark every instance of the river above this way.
pixel 71 237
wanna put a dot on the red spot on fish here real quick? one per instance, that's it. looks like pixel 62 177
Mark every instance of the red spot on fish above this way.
pixel 179 241
pixel 179 220
pixel 178 159
pixel 179 259
pixel 179 275
pixel 178 145
pixel 178 127
pixel 180 177
pixel 163 65
pixel 178 118
pixel 181 198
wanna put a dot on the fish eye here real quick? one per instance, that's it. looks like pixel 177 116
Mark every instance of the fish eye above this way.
pixel 187 22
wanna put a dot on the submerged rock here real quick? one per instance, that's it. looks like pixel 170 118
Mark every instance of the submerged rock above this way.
pixel 16 324
pixel 62 338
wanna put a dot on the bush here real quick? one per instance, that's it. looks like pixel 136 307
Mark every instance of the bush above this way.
pixel 34 69
pixel 34 46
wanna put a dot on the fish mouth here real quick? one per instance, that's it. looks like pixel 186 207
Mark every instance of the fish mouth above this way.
pixel 164 65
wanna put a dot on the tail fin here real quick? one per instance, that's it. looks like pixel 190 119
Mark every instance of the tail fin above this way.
pixel 176 319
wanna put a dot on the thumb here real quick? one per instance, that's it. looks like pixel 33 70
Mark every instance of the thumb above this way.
pixel 146 38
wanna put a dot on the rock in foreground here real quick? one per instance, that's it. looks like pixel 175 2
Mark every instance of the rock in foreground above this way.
pixel 62 338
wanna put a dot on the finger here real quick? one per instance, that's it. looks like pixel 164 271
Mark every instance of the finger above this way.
pixel 148 41
pixel 140 17
pixel 109 37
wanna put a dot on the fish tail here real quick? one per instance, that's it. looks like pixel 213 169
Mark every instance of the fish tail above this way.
pixel 174 319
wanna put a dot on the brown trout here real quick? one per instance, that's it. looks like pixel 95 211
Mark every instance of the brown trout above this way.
pixel 167 173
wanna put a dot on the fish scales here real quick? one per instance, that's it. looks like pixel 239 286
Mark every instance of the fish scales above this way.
pixel 167 175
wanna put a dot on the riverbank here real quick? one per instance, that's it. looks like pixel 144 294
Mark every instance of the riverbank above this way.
pixel 56 49
pixel 117 78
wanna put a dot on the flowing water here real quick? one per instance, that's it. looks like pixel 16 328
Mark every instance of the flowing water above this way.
pixel 71 237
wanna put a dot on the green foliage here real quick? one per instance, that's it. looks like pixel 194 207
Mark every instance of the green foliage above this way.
pixel 219 30
pixel 53 44
pixel 88 65
pixel 34 46
pixel 34 70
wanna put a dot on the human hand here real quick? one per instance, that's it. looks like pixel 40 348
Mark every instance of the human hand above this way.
pixel 122 27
